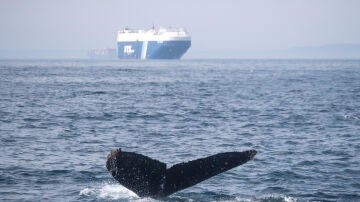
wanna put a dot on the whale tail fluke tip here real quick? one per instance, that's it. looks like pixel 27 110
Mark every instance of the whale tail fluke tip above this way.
pixel 252 154
pixel 113 153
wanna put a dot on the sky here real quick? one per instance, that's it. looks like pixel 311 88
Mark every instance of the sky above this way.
pixel 219 28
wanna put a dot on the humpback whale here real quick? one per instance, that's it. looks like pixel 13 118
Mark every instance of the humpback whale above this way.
pixel 148 177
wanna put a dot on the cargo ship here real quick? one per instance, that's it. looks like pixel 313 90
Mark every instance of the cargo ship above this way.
pixel 156 43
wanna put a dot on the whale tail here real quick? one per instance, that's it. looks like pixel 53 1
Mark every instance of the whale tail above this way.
pixel 149 177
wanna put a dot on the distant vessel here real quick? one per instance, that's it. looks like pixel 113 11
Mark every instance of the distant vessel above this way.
pixel 156 43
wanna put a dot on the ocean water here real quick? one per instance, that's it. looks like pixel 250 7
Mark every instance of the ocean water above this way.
pixel 60 118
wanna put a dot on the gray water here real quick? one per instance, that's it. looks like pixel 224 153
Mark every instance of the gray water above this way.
pixel 59 120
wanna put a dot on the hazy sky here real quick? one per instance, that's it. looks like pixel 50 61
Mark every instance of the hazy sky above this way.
pixel 217 26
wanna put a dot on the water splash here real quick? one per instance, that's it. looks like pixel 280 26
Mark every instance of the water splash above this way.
pixel 109 192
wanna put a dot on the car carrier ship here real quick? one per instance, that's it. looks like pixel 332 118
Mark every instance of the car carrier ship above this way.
pixel 156 43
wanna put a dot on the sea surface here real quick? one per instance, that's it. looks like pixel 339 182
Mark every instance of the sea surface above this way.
pixel 60 118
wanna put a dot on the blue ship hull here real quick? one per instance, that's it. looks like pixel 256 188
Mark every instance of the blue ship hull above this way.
pixel 152 49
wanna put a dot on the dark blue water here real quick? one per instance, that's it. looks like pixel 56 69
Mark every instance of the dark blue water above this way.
pixel 59 119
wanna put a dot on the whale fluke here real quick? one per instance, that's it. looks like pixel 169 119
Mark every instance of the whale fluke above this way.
pixel 148 177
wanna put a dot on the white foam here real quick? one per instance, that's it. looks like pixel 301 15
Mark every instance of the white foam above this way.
pixel 86 192
pixel 289 199
pixel 109 191
pixel 116 192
